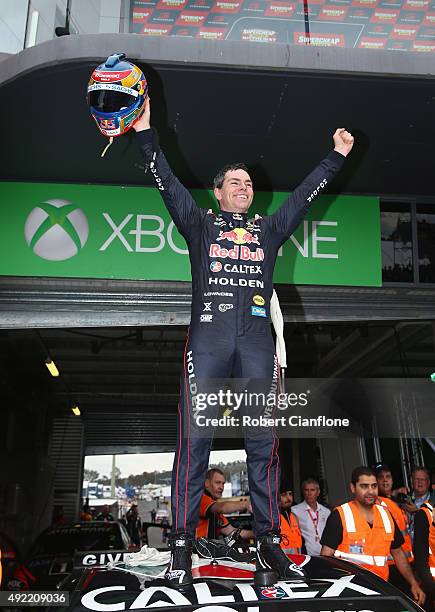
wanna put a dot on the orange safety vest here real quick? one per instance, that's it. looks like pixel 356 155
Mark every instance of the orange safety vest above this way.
pixel 401 519
pixel 291 541
pixel 364 545
pixel 428 509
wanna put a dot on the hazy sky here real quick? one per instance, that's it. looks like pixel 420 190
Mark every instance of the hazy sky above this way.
pixel 137 464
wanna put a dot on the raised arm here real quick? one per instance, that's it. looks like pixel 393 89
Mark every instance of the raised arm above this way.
pixel 180 204
pixel 288 216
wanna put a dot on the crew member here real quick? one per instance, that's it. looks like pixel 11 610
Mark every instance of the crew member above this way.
pixel 312 516
pixel 424 550
pixel 212 522
pixel 365 533
pixel 232 259
pixel 291 540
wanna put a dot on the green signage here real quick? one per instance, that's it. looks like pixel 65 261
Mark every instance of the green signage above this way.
pixel 99 231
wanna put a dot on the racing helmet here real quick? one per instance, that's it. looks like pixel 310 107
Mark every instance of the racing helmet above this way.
pixel 117 91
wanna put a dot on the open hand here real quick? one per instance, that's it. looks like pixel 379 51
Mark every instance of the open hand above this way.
pixel 343 141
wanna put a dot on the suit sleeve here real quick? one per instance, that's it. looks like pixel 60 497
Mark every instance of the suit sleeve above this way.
pixel 286 219
pixel 180 204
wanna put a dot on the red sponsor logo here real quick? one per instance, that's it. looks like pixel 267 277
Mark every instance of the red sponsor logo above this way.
pixel 280 9
pixel 212 33
pixel 423 47
pixel 171 5
pixel 194 18
pixel 319 40
pixel 332 13
pixel 223 6
pixel 110 77
pixel 237 252
pixel 404 32
pixel 429 19
pixel 367 42
pixel 151 29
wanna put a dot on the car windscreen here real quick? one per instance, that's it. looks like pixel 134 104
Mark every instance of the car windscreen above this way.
pixel 70 540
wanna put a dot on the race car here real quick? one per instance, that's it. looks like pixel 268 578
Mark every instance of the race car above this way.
pixel 108 582
pixel 51 556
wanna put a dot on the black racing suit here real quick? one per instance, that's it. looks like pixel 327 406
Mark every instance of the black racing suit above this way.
pixel 232 260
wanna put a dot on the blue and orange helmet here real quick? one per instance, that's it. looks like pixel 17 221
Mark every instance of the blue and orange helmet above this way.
pixel 117 91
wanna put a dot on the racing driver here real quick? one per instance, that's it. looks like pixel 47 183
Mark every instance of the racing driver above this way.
pixel 232 260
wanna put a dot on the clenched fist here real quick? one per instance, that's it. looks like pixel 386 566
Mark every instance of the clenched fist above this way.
pixel 343 141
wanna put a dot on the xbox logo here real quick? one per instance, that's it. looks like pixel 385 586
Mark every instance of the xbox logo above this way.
pixel 56 230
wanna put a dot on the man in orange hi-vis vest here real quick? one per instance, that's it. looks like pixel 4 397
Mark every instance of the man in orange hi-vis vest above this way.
pixel 424 550
pixel 291 538
pixel 365 533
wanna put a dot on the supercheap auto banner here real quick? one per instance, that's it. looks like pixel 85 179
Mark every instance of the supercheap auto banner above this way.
pixel 402 25
pixel 99 231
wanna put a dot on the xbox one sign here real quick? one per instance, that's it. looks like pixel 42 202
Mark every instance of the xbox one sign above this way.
pixel 56 230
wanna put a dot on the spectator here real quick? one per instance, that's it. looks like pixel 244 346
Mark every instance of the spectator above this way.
pixel 312 516
pixel 365 533
pixel 104 515
pixel 421 492
pixel 424 550
pixel 212 522
pixel 384 479
pixel 291 541
pixel 134 525
pixel 86 514
pixel 165 529
pixel 153 515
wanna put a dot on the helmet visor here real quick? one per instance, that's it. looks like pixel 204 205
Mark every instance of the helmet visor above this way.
pixel 108 101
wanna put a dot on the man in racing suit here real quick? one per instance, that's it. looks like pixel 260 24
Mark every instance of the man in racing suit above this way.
pixel 232 260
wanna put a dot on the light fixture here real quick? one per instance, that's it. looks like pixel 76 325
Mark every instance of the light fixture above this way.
pixel 432 377
pixel 51 366
pixel 75 409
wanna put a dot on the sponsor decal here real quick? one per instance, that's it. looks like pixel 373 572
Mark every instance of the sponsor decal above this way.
pixel 184 31
pixel 365 3
pixel 423 47
pixel 414 17
pixel 256 311
pixel 238 235
pixel 218 294
pixel 319 40
pixel 426 33
pixel 416 5
pixel 280 9
pixel 110 77
pixel 333 13
pixel 204 5
pixel 359 14
pixel 226 7
pixel 429 19
pixel 103 558
pixel 191 18
pixel 242 269
pixel 238 252
pixel 215 266
pixel 258 35
pixel 367 42
pixel 404 32
pixel 114 87
pixel 225 307
pixel 164 17
pixel 378 30
pixel 156 30
pixel 272 592
pixel 384 16
pixel 206 318
pixel 237 282
pixel 141 14
pixel 207 307
pixel 220 20
pixel 212 33
pixel 171 5
pixel 258 7
pixel 258 300
pixel 56 230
